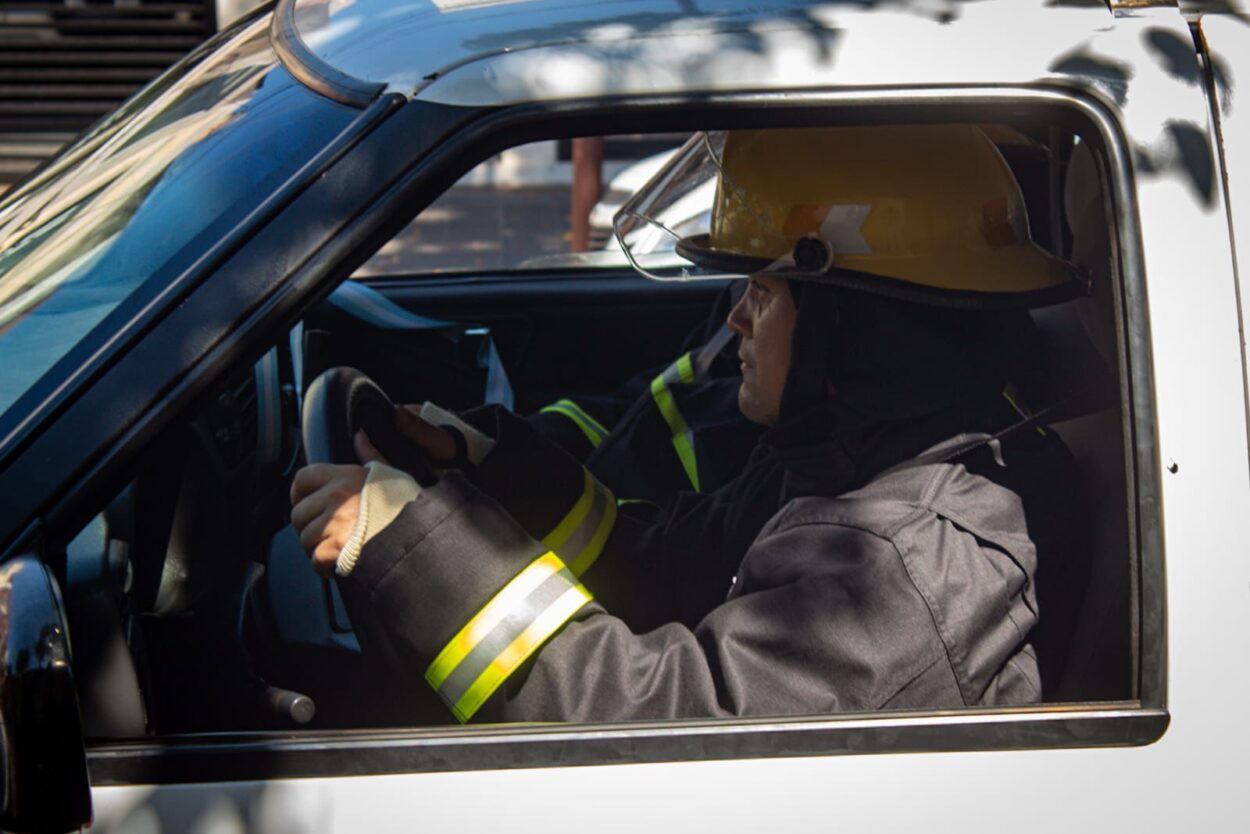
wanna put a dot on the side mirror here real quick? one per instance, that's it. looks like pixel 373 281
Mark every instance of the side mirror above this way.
pixel 43 764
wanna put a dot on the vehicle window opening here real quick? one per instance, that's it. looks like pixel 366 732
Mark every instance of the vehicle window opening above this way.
pixel 204 613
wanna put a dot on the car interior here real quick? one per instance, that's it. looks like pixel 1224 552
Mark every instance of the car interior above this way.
pixel 192 608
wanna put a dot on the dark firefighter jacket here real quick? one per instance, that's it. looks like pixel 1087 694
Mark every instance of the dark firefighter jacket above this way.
pixel 667 430
pixel 784 592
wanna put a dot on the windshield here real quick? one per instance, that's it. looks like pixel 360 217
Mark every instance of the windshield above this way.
pixel 142 195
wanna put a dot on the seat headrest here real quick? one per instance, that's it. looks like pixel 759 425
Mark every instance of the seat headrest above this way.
pixel 1086 212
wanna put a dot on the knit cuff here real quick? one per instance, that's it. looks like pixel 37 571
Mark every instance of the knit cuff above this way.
pixel 478 445
pixel 385 493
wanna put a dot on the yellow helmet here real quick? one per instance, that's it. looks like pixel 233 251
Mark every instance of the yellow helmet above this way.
pixel 929 213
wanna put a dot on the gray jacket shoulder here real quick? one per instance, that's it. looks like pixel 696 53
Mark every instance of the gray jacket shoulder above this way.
pixel 961 542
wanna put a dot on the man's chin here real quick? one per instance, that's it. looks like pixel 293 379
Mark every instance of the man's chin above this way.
pixel 752 409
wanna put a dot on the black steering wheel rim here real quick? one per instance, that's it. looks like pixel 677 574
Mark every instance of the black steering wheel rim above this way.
pixel 343 401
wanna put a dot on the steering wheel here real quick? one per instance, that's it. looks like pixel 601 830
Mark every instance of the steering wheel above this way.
pixel 337 404
pixel 343 401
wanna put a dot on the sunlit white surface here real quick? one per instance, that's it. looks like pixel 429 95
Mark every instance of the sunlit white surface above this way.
pixel 996 41
pixel 1229 42
pixel 505 51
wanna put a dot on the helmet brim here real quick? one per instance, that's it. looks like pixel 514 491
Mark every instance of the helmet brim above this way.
pixel 1061 280
pixel 698 249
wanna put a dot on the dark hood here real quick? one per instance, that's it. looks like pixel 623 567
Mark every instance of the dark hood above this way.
pixel 874 381
pixel 832 448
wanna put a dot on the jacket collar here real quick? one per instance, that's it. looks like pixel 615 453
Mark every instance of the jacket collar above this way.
pixel 831 448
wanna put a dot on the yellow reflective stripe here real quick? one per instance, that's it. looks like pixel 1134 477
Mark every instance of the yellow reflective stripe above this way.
pixel 534 605
pixel 682 435
pixel 685 453
pixel 590 553
pixel 512 595
pixel 543 626
pixel 569 524
pixel 572 528
pixel 685 368
pixel 1013 398
pixel 1010 395
pixel 592 428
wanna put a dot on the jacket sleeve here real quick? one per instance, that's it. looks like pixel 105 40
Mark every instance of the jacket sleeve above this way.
pixel 502 631
pixel 579 425
pixel 649 565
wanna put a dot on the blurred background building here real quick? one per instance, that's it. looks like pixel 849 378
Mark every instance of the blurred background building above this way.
pixel 64 64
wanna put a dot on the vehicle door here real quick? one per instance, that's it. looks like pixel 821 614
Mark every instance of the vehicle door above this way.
pixel 1163 752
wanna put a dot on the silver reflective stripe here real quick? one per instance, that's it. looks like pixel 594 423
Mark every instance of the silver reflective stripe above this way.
pixel 681 371
pixel 683 438
pixel 589 426
pixel 689 368
pixel 503 635
pixel 493 644
pixel 580 540
pixel 580 536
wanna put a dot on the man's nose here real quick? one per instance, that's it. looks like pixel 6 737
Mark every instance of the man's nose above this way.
pixel 739 320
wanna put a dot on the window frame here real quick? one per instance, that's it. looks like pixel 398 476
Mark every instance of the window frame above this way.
pixel 1140 721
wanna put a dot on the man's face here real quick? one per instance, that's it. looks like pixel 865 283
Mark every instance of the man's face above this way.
pixel 764 317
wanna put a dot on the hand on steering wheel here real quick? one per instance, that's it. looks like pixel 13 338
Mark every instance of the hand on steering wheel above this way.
pixel 436 442
pixel 343 401
pixel 325 505
pixel 348 420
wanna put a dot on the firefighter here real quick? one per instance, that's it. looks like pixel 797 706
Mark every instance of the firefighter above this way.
pixel 878 551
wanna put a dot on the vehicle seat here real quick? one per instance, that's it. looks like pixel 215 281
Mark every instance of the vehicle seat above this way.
pixel 1080 340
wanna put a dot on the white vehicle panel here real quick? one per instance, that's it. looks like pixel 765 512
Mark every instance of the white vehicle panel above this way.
pixel 1001 41
pixel 1228 43
pixel 527 50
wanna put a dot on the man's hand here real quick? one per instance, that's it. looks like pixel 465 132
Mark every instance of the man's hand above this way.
pixel 325 502
pixel 325 497
pixel 434 441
